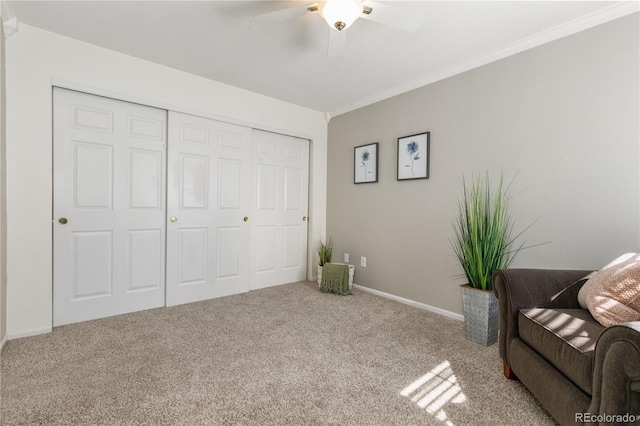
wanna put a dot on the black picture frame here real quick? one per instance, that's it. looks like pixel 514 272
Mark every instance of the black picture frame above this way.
pixel 365 163
pixel 414 153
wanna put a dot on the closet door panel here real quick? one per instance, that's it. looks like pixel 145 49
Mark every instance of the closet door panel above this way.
pixel 279 204
pixel 208 238
pixel 109 207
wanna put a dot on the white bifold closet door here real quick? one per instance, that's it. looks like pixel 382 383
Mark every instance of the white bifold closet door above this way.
pixel 209 201
pixel 279 209
pixel 109 207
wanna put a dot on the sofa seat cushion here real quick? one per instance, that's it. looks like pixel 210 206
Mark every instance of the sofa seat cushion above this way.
pixel 564 337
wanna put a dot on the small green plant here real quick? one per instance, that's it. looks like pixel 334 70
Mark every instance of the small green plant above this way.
pixel 325 250
pixel 483 241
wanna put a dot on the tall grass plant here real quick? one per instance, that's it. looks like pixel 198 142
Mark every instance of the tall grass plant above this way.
pixel 483 239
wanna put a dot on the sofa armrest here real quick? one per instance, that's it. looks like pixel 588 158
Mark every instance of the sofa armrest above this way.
pixel 529 288
pixel 616 376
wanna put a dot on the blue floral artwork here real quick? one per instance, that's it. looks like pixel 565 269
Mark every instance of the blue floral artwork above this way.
pixel 366 163
pixel 413 157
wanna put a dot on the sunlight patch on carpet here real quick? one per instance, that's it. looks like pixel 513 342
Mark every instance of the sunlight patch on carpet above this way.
pixel 435 390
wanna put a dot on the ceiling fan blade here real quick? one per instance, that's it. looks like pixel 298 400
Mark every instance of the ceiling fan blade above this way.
pixel 392 16
pixel 337 42
pixel 286 14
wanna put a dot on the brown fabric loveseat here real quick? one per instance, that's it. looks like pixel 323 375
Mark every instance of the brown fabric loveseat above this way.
pixel 580 371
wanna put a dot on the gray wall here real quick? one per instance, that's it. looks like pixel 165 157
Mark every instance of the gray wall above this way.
pixel 563 116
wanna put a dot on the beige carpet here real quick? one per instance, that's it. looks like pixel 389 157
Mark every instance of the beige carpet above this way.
pixel 286 355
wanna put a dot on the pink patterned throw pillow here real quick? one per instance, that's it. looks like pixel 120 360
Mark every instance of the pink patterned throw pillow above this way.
pixel 612 294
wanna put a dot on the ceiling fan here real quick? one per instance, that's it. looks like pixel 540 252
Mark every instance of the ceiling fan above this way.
pixel 340 14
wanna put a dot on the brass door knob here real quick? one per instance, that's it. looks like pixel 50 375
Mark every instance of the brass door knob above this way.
pixel 63 220
pixel 246 219
pixel 173 219
pixel 304 218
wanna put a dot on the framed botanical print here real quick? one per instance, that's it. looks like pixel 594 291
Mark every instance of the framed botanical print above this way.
pixel 413 157
pixel 365 163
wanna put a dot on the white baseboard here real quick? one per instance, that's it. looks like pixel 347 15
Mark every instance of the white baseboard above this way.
pixel 3 342
pixel 411 302
pixel 29 333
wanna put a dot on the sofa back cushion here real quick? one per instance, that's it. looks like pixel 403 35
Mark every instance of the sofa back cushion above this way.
pixel 612 294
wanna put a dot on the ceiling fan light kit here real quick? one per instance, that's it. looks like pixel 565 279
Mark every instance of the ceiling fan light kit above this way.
pixel 340 14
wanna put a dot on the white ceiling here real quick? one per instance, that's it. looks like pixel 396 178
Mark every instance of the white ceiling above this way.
pixel 222 41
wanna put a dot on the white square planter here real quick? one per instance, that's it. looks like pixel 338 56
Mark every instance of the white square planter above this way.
pixel 352 270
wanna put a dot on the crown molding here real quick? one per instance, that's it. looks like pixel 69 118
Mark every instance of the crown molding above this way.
pixel 9 19
pixel 609 13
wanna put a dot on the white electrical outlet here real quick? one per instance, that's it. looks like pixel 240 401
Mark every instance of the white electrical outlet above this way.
pixel 346 258
pixel 363 261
